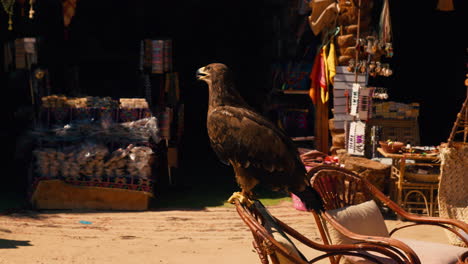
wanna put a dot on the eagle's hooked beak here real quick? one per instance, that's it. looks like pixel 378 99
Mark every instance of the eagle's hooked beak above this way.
pixel 201 73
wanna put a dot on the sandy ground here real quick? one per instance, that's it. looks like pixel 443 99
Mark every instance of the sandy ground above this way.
pixel 213 235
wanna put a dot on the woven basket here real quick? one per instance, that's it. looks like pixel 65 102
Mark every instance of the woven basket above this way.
pixel 453 197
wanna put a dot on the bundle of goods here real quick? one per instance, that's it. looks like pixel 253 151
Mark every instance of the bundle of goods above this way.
pixel 133 103
pixel 347 42
pixel 94 160
pixel 364 49
pixel 61 110
pixel 93 164
pixel 142 131
pixel 61 101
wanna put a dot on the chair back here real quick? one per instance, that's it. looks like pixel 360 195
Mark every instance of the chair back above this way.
pixel 339 187
pixel 273 245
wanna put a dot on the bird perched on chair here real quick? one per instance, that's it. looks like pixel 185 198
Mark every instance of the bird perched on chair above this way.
pixel 258 151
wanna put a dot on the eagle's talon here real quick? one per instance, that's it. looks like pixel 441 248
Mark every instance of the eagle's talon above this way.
pixel 241 197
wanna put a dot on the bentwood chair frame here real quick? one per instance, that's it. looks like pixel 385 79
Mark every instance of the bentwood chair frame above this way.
pixel 339 187
pixel 268 248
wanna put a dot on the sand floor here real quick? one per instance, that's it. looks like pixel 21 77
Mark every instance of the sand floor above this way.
pixel 213 235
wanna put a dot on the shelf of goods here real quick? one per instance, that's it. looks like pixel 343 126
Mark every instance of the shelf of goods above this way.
pixel 96 154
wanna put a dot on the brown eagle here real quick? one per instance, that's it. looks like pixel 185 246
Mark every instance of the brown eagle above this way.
pixel 259 152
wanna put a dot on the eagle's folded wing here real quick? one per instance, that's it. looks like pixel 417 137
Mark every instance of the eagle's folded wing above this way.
pixel 242 137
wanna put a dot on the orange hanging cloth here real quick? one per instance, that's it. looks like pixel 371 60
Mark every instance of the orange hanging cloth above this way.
pixel 314 91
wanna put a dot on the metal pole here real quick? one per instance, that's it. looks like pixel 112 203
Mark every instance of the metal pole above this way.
pixel 357 41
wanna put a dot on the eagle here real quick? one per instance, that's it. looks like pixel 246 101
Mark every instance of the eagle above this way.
pixel 259 152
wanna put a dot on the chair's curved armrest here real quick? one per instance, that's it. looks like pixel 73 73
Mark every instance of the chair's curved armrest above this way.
pixel 446 223
pixel 429 220
pixel 344 249
pixel 395 245
pixel 438 220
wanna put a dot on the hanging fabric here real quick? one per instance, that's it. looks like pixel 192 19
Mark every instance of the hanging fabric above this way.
pixel 385 24
pixel 331 61
pixel 148 50
pixel 69 7
pixel 171 89
pixel 324 76
pixel 318 88
pixel 147 89
pixel 157 62
pixel 8 53
pixel 318 77
pixel 20 54
pixel 167 55
pixel 315 76
pixel 165 121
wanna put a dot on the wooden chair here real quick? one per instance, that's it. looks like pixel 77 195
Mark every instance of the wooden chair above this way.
pixel 272 240
pixel 347 200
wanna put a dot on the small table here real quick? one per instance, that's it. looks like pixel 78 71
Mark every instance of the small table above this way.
pixel 404 186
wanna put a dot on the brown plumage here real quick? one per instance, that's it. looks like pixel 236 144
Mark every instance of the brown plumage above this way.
pixel 258 151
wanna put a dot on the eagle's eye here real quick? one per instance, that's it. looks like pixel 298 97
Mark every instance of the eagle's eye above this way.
pixel 208 68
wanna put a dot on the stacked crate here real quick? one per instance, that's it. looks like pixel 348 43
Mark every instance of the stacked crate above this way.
pixel 395 110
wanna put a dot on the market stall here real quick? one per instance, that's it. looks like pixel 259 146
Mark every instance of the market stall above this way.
pixel 94 152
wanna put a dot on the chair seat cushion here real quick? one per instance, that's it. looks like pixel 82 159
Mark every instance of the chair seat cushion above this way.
pixel 364 218
pixel 428 253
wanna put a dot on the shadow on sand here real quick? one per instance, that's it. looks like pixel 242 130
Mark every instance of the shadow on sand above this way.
pixel 6 243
